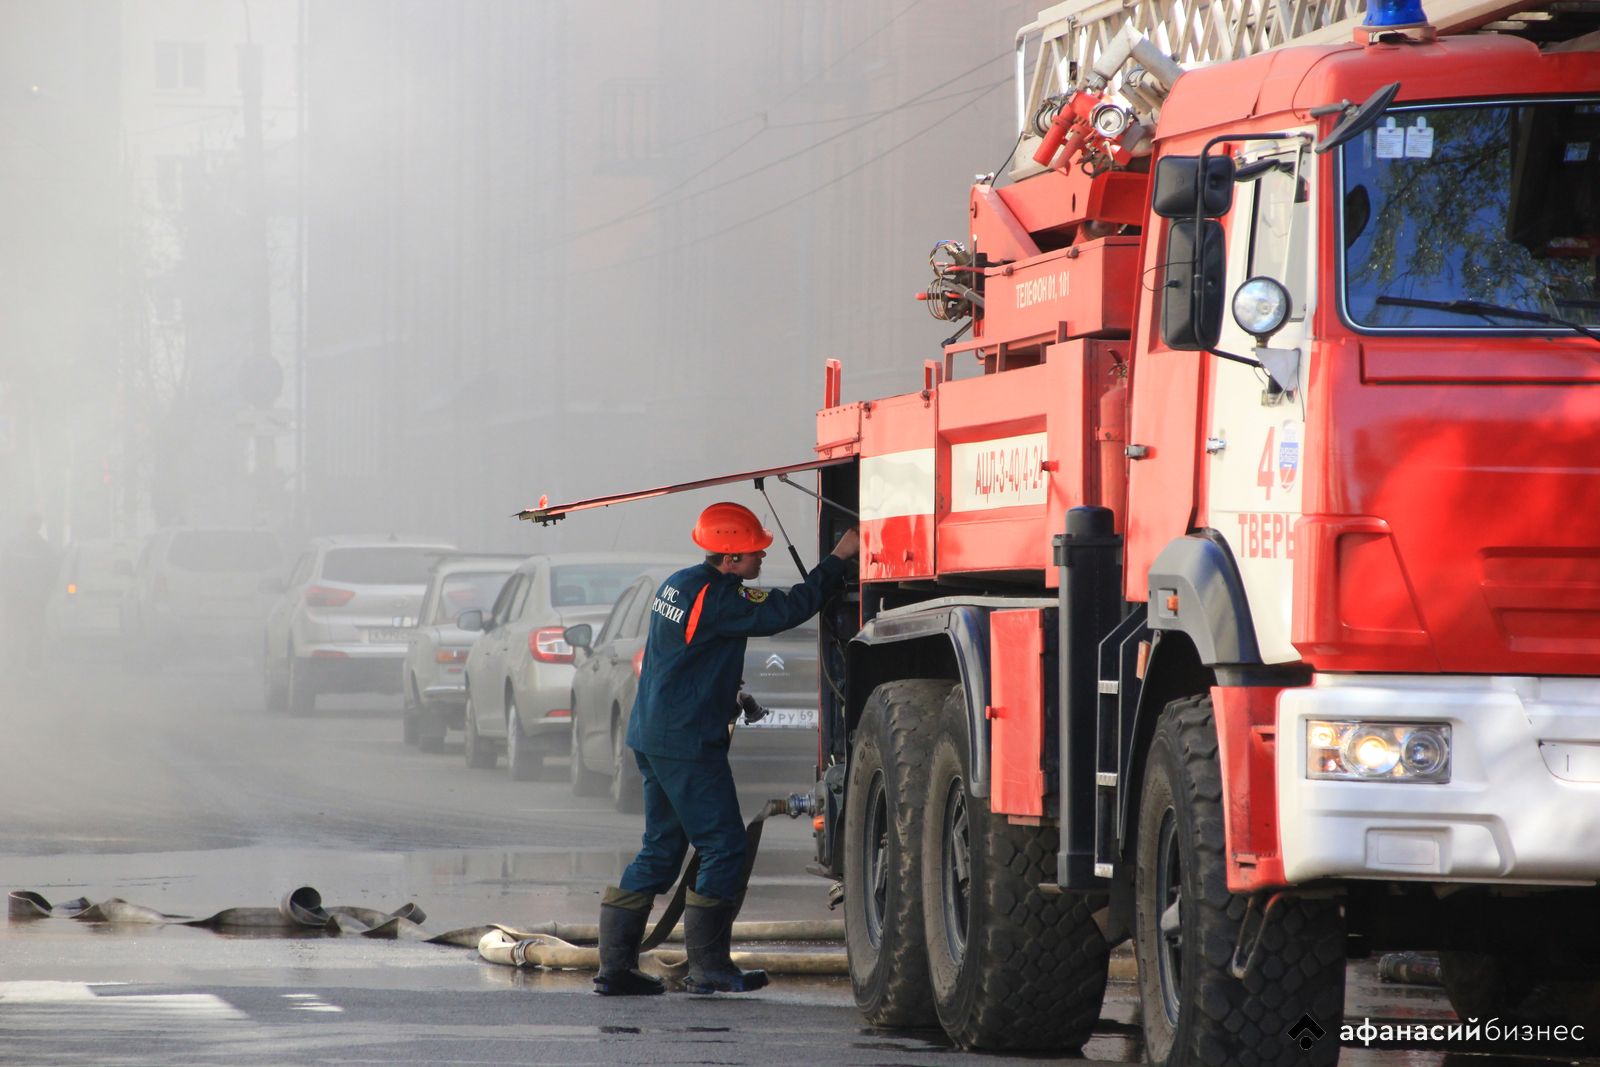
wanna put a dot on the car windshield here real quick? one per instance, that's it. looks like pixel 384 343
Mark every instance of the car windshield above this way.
pixel 225 550
pixel 577 584
pixel 397 565
pixel 468 591
pixel 1498 203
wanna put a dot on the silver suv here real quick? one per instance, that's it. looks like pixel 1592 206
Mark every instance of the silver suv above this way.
pixel 343 620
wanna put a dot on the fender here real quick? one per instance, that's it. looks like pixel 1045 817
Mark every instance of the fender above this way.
pixel 1195 588
pixel 954 635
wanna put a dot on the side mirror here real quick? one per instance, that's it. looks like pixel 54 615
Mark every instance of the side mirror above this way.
pixel 1178 187
pixel 471 621
pixel 579 636
pixel 1355 123
pixel 1191 301
pixel 272 584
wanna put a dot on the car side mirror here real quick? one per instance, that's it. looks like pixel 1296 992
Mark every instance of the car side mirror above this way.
pixel 579 636
pixel 471 621
pixel 272 584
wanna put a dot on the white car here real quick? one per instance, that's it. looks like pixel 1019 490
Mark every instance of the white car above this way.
pixel 197 593
pixel 344 618
pixel 85 604
pixel 519 672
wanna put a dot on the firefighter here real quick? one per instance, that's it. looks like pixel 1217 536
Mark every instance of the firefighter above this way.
pixel 679 732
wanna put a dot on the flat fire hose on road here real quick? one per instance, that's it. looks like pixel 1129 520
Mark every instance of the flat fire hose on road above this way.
pixel 539 949
pixel 544 945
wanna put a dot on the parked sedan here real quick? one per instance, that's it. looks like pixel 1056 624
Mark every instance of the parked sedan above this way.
pixel 780 672
pixel 84 606
pixel 519 672
pixel 604 683
pixel 434 677
pixel 344 618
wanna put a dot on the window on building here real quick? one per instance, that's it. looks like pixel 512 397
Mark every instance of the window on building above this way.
pixel 180 65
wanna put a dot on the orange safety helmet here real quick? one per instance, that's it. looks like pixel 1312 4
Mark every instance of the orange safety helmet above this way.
pixel 731 529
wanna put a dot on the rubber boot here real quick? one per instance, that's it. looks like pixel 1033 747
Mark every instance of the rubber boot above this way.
pixel 621 930
pixel 708 939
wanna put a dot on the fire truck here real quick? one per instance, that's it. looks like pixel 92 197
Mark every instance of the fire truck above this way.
pixel 1230 582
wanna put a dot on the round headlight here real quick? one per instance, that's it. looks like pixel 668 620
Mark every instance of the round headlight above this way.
pixel 1370 752
pixel 1423 752
pixel 1260 306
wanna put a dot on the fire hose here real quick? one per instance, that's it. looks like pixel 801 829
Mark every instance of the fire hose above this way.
pixel 549 945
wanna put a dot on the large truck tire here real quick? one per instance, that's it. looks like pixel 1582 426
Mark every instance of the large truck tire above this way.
pixel 1011 967
pixel 883 851
pixel 1196 1014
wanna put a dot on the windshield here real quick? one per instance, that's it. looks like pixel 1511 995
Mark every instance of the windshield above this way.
pixel 468 591
pixel 591 583
pixel 1498 203
pixel 401 565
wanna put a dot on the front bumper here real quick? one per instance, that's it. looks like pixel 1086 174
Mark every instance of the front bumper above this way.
pixel 1523 800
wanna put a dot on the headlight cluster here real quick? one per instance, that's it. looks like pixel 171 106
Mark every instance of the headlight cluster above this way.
pixel 1378 751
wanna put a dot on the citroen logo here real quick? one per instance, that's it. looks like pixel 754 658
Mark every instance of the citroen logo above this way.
pixel 774 662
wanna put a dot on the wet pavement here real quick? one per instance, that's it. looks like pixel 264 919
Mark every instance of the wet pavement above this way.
pixel 180 793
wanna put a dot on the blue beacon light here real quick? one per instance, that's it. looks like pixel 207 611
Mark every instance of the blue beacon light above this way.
pixel 1385 13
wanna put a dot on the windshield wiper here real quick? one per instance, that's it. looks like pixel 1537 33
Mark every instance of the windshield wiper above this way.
pixel 1485 310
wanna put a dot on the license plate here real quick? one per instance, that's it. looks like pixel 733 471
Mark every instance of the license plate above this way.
pixel 788 719
pixel 387 635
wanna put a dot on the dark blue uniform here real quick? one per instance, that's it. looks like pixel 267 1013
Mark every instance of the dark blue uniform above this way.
pixel 688 688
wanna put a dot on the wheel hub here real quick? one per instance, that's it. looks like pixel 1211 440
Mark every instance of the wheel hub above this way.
pixel 875 860
pixel 956 868
pixel 1169 901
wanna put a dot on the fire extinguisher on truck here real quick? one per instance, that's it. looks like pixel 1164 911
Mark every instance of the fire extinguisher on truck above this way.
pixel 1231 584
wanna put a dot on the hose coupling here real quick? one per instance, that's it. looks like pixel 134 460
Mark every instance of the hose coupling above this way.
pixel 794 805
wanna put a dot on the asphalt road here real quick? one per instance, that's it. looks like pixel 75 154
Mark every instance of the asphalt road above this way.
pixel 178 792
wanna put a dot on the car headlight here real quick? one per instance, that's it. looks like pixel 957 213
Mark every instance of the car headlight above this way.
pixel 1377 751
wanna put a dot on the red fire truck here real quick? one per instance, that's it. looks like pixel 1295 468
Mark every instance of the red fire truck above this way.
pixel 1232 582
